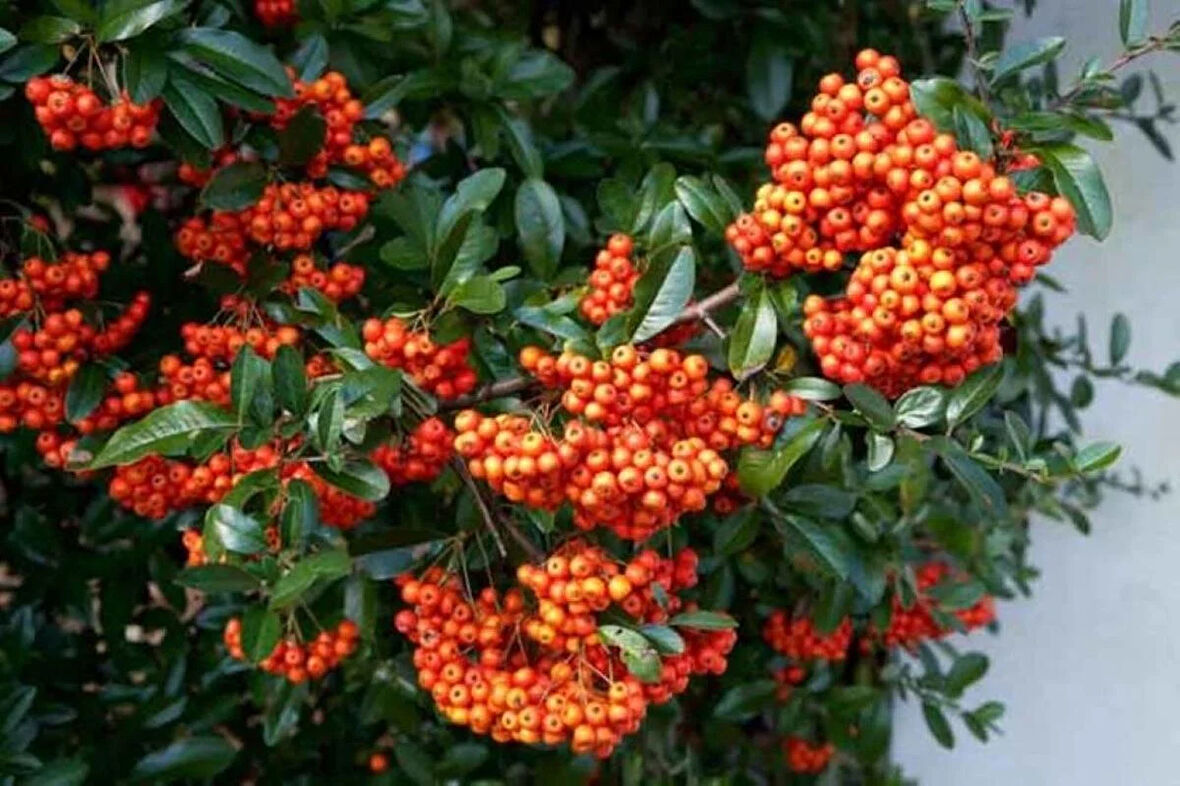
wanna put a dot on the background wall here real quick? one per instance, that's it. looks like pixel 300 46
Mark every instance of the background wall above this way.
pixel 1089 668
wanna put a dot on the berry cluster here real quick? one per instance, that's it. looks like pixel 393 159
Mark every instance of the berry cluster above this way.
pixel 807 757
pixel 908 627
pixel 339 282
pixel 221 343
pixel 786 679
pixel 797 638
pixel 656 455
pixel 73 276
pixel 420 457
pixel 440 370
pixel 944 238
pixel 552 687
pixel 611 282
pixel 71 114
pixel 298 661
pixel 276 13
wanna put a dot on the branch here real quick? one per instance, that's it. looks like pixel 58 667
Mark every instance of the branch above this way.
pixel 490 520
pixel 972 52
pixel 507 387
pixel 1154 43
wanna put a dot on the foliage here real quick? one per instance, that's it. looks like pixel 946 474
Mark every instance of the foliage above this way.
pixel 532 132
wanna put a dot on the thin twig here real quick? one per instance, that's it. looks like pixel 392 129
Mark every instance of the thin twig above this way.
pixel 973 51
pixel 700 310
pixel 1154 43
pixel 503 387
pixel 484 510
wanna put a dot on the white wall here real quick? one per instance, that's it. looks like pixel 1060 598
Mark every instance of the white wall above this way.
pixel 1089 668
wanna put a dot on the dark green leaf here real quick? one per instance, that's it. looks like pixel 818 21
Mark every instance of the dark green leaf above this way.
pixel 200 757
pixel 752 342
pixel 982 487
pixel 938 97
pixel 145 70
pixel 360 478
pixel 311 58
pixel 662 293
pixel 540 227
pixel 170 427
pixel 735 533
pixel 769 71
pixel 1120 338
pixel 290 380
pixel 1077 179
pixel 235 187
pixel 61 772
pixel 302 137
pixel 480 295
pixel 238 59
pixel 26 61
pixel 746 700
pixel 813 389
pixel 195 111
pixel 261 629
pixel 49 29
pixel 251 388
pixel 872 405
pixel 1015 59
pixel 702 203
pixel 761 471
pixel 218 578
pixel 666 640
pixel 128 18
pixel 920 406
pixel 967 669
pixel 235 530
pixel 969 397
pixel 85 392
pixel 703 620
pixel 936 721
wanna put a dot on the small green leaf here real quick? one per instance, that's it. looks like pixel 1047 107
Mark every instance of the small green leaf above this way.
pixel 872 405
pixel 745 700
pixel 761 471
pixel 752 342
pixel 880 451
pixel 966 670
pixel 1097 456
pixel 480 295
pixel 218 578
pixel 638 654
pixel 235 187
pixel 813 389
pixel 294 583
pixel 969 397
pixel 1024 55
pixel 662 293
pixel 936 721
pixel 85 391
pixel 1120 338
pixel 235 530
pixel 703 620
pixel 702 203
pixel 302 137
pixel 360 478
pixel 664 638
pixel 200 758
pixel 1132 21
pixel 982 487
pixel 540 227
pixel 251 388
pixel 921 406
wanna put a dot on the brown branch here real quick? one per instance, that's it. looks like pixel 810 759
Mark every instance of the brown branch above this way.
pixel 973 52
pixel 489 519
pixel 507 387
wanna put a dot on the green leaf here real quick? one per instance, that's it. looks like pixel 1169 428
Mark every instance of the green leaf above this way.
pixel 1097 456
pixel 536 74
pixel 769 71
pixel 662 293
pixel 303 137
pixel 982 487
pixel 745 700
pixel 480 295
pixel 218 578
pixel 129 18
pixel 195 111
pixel 60 772
pixel 311 58
pixel 1132 21
pixel 880 451
pixel 261 629
pixel 251 388
pixel 173 426
pixel 299 514
pixel 761 471
pixel 145 70
pixel 7 40
pixel 1077 178
pixel 540 227
pixel 971 133
pixel 938 97
pixel 235 187
pixel 1024 55
pixel 921 406
pixel 85 391
pixel 200 757
pixel 666 640
pixel 702 203
pixel 559 325
pixel 825 541
pixel 703 620
pixel 735 533
pixel 235 530
pixel 872 405
pixel 936 721
pixel 49 29
pixel 813 389
pixel 360 478
pixel 655 193
pixel 639 656
pixel 26 61
pixel 751 344
pixel 294 583
pixel 967 669
pixel 1120 338
pixel 520 142
pixel 238 59
pixel 969 397
pixel 290 380
pixel 619 204
pixel 462 758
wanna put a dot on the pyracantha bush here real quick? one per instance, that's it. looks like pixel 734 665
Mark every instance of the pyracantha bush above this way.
pixel 403 393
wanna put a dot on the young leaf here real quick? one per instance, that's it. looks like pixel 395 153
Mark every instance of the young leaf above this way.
pixel 662 293
pixel 170 427
pixel 1024 55
pixel 751 344
pixel 235 187
pixel 540 226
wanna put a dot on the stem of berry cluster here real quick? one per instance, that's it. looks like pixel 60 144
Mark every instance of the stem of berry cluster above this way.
pixel 507 387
